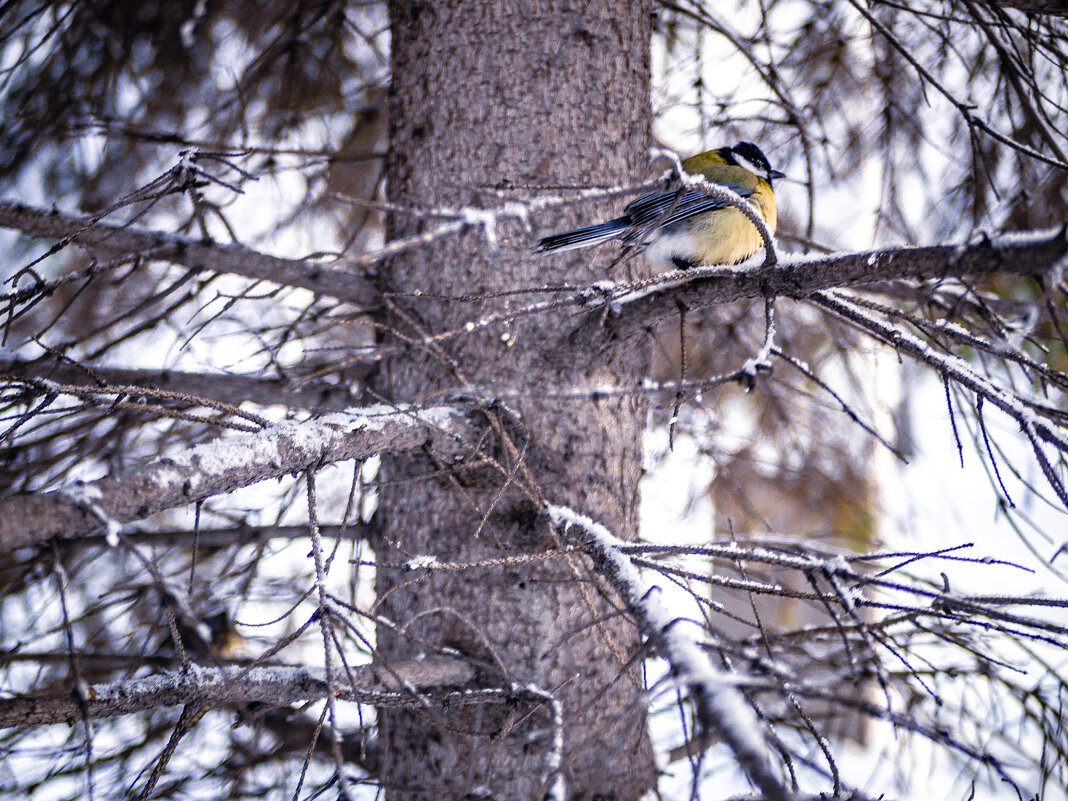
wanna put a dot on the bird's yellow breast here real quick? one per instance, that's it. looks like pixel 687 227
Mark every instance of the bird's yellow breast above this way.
pixel 723 236
pixel 726 236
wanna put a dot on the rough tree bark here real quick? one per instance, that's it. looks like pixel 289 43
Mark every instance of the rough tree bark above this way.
pixel 537 92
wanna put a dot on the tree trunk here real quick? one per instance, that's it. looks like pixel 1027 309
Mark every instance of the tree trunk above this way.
pixel 532 92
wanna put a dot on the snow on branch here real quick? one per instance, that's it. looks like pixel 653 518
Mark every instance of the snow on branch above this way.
pixel 272 686
pixel 719 705
pixel 646 303
pixel 228 463
pixel 116 240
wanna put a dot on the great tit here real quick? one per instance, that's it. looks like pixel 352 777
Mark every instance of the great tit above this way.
pixel 677 232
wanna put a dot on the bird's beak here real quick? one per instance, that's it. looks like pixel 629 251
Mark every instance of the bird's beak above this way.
pixel 776 174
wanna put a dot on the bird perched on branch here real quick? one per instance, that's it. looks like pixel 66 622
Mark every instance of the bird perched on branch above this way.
pixel 677 229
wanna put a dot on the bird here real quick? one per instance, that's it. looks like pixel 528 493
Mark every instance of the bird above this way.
pixel 680 229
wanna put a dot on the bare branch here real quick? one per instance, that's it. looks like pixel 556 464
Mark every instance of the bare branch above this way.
pixel 1058 8
pixel 240 534
pixel 233 389
pixel 114 240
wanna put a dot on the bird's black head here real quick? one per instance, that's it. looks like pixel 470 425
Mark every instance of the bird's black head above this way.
pixel 748 155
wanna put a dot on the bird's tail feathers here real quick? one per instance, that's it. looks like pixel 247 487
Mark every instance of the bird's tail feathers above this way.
pixel 583 237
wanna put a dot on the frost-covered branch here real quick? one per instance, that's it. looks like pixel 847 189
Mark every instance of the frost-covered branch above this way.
pixel 115 240
pixel 1035 253
pixel 224 686
pixel 227 463
pixel 719 705
pixel 1037 421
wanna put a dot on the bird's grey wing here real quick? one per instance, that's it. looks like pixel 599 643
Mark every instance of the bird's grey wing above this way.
pixel 664 208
